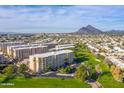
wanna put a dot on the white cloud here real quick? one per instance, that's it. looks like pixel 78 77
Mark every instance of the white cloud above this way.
pixel 61 16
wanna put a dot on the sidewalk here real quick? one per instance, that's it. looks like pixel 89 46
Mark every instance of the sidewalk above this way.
pixel 94 84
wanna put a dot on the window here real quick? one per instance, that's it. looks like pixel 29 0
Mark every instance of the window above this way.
pixel 34 59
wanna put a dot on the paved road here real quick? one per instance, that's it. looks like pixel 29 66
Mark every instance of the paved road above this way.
pixel 53 75
pixel 94 84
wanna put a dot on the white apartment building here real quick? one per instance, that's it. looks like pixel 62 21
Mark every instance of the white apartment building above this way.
pixel 25 52
pixel 61 48
pixel 11 48
pixel 65 45
pixel 3 46
pixel 50 45
pixel 40 62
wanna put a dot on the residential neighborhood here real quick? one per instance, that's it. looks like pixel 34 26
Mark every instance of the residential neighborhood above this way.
pixel 57 59
pixel 61 46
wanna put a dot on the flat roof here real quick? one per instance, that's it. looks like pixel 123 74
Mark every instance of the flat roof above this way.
pixel 21 48
pixel 11 42
pixel 52 53
pixel 66 45
pixel 59 48
pixel 49 43
pixel 24 45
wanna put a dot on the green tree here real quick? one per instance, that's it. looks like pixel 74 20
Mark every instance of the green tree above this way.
pixel 79 47
pixel 22 69
pixel 82 73
pixel 110 46
pixel 49 68
pixel 9 71
pixel 67 70
pixel 98 69
pixel 61 70
pixel 117 73
pixel 78 52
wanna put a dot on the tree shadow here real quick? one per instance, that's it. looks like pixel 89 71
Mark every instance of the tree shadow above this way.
pixel 81 58
pixel 95 76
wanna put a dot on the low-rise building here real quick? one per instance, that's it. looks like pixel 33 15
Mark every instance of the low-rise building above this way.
pixel 116 61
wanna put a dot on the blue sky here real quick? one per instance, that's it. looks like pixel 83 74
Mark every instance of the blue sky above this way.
pixel 59 18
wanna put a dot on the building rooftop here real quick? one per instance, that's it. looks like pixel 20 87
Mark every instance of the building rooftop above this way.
pixel 52 53
pixel 24 45
pixel 117 61
pixel 61 48
pixel 31 47
pixel 65 45
pixel 10 42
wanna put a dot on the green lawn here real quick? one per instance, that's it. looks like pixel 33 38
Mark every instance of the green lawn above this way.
pixel 108 82
pixel 45 83
pixel 106 79
pixel 93 61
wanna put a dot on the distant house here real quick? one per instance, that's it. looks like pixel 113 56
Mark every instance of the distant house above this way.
pixel 116 61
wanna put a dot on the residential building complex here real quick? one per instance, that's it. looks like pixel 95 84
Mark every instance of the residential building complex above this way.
pixel 25 52
pixel 11 48
pixel 3 46
pixel 50 45
pixel 62 47
pixel 40 62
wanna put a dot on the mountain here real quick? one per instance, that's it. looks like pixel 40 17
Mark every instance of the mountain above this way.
pixel 89 30
pixel 115 32
pixel 13 33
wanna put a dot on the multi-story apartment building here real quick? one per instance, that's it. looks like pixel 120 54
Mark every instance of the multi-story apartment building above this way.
pixel 40 62
pixel 11 48
pixel 62 47
pixel 25 52
pixel 3 46
pixel 65 45
pixel 50 45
